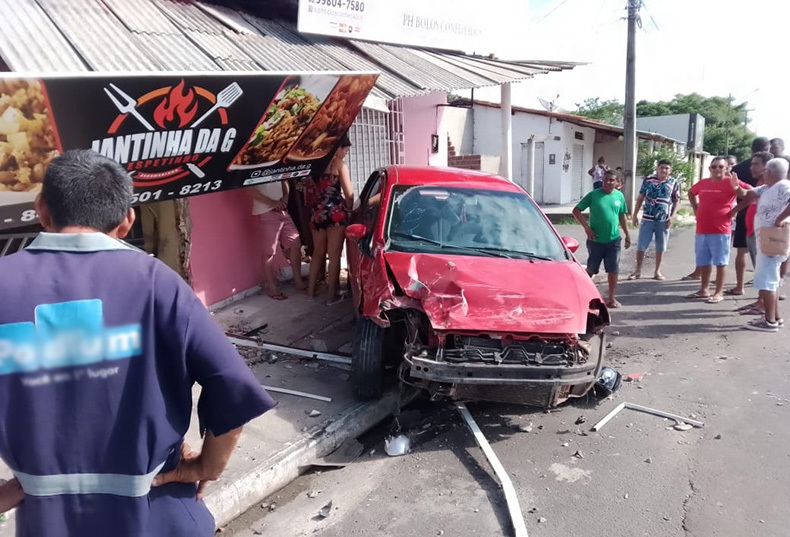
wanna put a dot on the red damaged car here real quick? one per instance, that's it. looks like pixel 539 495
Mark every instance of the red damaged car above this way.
pixel 464 287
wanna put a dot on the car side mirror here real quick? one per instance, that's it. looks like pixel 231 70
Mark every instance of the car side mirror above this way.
pixel 571 244
pixel 356 232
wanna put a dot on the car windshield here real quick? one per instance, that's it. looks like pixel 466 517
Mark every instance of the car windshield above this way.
pixel 468 221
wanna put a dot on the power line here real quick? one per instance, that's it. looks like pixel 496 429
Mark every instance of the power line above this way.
pixel 547 15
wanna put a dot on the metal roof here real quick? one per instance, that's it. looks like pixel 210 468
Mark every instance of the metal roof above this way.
pixel 193 35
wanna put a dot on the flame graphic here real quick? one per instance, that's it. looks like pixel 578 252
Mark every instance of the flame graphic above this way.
pixel 177 106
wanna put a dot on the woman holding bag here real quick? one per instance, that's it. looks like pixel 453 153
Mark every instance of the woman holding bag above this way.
pixel 773 239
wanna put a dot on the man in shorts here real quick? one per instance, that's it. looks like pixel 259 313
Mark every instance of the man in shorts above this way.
pixel 270 203
pixel 660 194
pixel 712 200
pixel 773 209
pixel 607 211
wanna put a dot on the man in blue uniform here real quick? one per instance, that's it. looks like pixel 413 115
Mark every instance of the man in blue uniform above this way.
pixel 100 345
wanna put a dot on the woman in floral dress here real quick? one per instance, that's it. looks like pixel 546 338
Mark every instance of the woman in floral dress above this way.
pixel 328 222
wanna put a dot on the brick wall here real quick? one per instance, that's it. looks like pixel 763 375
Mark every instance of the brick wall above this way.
pixel 467 162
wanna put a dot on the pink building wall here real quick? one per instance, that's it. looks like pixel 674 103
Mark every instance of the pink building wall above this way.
pixel 226 254
pixel 422 117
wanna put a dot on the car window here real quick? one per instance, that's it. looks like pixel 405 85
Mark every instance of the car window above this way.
pixel 470 221
pixel 367 211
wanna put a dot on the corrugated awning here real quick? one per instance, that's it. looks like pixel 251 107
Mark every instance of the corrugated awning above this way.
pixel 189 35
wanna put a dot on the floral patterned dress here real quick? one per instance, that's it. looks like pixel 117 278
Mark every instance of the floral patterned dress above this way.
pixel 330 210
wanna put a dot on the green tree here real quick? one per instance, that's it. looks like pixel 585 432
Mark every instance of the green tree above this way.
pixel 726 130
pixel 608 111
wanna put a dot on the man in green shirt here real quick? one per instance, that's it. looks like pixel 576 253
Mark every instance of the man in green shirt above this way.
pixel 607 211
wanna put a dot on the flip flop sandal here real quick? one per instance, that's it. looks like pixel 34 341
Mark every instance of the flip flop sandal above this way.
pixel 634 276
pixel 688 278
pixel 752 311
pixel 660 278
pixel 731 292
pixel 714 299
pixel 697 296
pixel 278 296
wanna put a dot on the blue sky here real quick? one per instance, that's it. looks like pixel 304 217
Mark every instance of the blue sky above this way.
pixel 713 47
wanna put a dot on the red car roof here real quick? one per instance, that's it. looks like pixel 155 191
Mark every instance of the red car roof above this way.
pixel 449 177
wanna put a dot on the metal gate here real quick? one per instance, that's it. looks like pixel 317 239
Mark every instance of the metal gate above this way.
pixel 376 140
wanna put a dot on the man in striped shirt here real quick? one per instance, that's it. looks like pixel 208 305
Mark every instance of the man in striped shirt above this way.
pixel 660 195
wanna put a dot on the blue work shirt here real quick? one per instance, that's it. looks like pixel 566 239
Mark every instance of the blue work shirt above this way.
pixel 100 346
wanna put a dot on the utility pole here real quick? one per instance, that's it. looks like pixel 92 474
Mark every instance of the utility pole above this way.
pixel 629 127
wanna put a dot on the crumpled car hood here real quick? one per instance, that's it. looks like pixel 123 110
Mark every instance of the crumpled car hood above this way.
pixel 496 294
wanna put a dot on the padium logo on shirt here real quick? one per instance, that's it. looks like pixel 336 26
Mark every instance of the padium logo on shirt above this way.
pixel 65 334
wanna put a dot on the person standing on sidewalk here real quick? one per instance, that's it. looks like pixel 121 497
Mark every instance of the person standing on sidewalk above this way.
pixel 744 172
pixel 270 205
pixel 607 211
pixel 597 171
pixel 712 199
pixel 100 345
pixel 773 209
pixel 660 194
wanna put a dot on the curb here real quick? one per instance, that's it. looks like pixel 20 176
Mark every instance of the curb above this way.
pixel 231 499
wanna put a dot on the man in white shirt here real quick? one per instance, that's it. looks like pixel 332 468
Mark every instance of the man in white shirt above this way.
pixel 773 209
pixel 597 172
pixel 269 203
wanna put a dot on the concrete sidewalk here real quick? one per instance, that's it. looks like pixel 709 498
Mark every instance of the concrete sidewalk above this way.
pixel 275 448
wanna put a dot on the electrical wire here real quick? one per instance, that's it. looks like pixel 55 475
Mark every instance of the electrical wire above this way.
pixel 547 15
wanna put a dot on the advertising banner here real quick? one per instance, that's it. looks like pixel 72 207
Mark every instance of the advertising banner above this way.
pixel 178 135
pixel 483 29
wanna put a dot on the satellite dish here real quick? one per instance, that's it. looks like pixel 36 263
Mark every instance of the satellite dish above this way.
pixel 550 106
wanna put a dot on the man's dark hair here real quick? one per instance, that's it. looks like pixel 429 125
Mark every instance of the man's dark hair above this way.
pixel 763 156
pixel 344 141
pixel 612 173
pixel 664 162
pixel 761 143
pixel 778 141
pixel 83 188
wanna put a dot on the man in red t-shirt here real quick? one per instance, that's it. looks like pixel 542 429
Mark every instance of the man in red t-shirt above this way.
pixel 712 200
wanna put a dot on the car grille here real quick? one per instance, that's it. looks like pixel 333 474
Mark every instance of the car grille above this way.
pixel 486 350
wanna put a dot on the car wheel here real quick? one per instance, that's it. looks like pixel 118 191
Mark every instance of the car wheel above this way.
pixel 367 360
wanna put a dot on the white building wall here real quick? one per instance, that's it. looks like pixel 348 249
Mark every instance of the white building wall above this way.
pixel 459 124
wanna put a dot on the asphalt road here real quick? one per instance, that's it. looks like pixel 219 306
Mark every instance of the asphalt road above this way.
pixel 637 477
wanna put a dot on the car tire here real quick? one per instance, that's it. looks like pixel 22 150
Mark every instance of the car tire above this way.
pixel 367 360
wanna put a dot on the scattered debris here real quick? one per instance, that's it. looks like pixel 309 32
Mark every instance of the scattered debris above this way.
pixel 615 333
pixel 313 413
pixel 625 496
pixel 272 506
pixel 566 444
pixel 297 394
pixel 533 510
pixel 525 428
pixel 397 446
pixel 679 419
pixel 649 460
pixel 717 437
pixel 241 341
pixel 348 452
pixel 325 511
pixel 635 377
pixel 511 498
pixel 578 454
pixel 608 417
pixel 723 357
pixel 313 493
pixel 580 420
pixel 542 520
pixel 609 380
pixel 683 427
